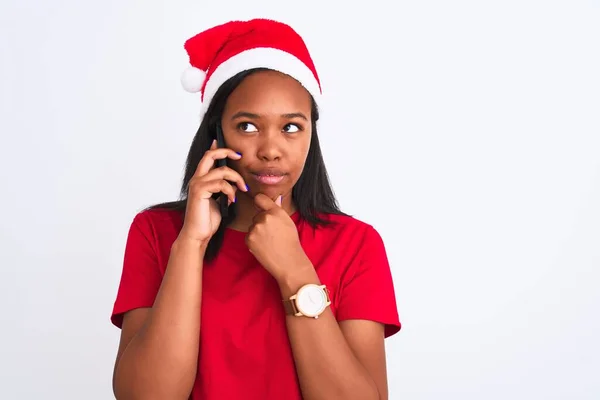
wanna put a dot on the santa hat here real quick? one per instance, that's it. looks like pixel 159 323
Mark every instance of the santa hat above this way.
pixel 221 52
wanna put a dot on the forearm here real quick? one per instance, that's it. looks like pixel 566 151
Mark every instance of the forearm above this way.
pixel 325 363
pixel 161 360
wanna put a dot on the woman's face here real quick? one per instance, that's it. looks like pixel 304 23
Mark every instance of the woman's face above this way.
pixel 267 119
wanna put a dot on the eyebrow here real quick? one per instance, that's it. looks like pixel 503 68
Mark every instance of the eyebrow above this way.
pixel 245 114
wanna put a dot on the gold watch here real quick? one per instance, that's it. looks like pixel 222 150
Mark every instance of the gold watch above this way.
pixel 310 301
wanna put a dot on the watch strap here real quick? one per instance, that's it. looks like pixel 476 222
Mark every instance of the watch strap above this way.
pixel 290 307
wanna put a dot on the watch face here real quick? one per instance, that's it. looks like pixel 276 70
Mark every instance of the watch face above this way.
pixel 311 300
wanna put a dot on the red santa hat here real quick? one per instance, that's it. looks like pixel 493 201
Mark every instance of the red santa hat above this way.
pixel 222 51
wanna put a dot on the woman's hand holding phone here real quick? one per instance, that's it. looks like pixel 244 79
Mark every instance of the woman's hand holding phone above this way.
pixel 202 212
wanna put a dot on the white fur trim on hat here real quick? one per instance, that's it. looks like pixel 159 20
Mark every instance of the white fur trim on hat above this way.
pixel 192 79
pixel 271 58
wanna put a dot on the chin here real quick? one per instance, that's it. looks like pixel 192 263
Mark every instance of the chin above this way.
pixel 271 191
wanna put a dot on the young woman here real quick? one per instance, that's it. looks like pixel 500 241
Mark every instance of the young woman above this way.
pixel 281 297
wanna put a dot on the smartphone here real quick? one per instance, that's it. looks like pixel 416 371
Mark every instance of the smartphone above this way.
pixel 223 202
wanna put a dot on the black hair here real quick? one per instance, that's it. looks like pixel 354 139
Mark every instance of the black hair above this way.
pixel 312 194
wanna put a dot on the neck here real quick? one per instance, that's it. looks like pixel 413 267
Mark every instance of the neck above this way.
pixel 246 210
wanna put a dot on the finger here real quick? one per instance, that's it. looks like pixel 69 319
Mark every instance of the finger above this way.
pixel 227 174
pixel 213 146
pixel 264 202
pixel 208 161
pixel 229 199
pixel 207 189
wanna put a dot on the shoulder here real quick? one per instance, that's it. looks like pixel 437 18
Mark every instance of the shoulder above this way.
pixel 347 232
pixel 158 216
pixel 153 222
pixel 348 224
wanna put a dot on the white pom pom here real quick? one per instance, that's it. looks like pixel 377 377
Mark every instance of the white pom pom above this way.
pixel 192 79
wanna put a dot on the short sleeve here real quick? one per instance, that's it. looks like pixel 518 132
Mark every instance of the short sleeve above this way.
pixel 141 276
pixel 368 293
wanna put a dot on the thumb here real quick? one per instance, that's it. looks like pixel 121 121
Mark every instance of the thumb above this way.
pixel 278 200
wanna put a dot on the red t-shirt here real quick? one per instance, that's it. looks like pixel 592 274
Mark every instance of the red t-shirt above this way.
pixel 244 347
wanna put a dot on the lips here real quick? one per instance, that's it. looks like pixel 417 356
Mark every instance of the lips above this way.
pixel 270 176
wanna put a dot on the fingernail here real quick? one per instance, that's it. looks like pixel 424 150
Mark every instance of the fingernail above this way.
pixel 238 153
pixel 234 198
pixel 247 187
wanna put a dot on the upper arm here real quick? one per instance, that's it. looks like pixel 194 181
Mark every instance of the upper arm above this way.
pixel 139 284
pixel 133 321
pixel 141 274
pixel 366 339
pixel 367 291
pixel 367 311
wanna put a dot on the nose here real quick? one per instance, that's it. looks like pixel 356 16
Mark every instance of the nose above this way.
pixel 270 145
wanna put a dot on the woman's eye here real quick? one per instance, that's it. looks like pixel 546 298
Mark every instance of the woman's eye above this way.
pixel 247 127
pixel 291 128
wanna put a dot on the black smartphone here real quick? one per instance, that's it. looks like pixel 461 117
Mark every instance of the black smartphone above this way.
pixel 223 200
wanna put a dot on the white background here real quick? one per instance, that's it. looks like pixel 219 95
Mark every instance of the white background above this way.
pixel 466 132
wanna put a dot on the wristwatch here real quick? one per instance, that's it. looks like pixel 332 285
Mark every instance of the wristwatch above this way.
pixel 310 301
